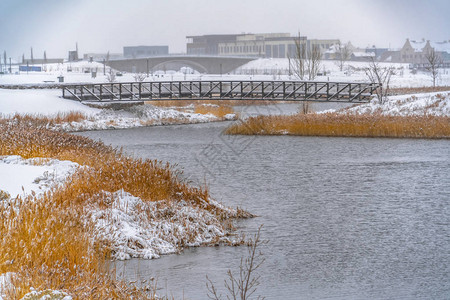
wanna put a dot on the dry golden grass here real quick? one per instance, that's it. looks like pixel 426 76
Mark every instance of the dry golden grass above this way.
pixel 59 118
pixel 44 240
pixel 218 111
pixel 218 108
pixel 184 103
pixel 415 90
pixel 346 125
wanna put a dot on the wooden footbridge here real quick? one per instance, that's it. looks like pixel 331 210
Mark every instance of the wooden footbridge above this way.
pixel 222 90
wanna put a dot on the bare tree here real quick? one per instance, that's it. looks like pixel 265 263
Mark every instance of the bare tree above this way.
pixel 243 286
pixel 313 62
pixel 305 107
pixel 434 61
pixel 111 76
pixel 306 62
pixel 343 55
pixel 381 76
pixel 297 63
pixel 139 77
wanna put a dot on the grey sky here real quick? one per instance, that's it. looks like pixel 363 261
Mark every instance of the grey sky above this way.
pixel 102 25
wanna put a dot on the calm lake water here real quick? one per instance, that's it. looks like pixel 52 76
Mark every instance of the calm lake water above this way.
pixel 345 218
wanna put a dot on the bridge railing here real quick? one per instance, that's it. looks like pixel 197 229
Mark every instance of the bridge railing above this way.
pixel 223 90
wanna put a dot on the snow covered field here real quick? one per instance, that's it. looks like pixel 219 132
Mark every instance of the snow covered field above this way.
pixel 48 103
pixel 260 69
pixel 436 104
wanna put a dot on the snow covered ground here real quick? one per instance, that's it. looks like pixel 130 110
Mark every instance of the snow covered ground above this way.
pixel 39 102
pixel 48 103
pixel 260 69
pixel 353 71
pixel 436 104
pixel 37 175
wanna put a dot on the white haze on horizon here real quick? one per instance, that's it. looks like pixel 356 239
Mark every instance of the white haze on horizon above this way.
pixel 108 25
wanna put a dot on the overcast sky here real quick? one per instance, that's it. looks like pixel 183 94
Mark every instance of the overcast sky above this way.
pixel 102 25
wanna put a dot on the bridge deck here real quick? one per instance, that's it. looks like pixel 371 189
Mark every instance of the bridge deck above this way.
pixel 222 90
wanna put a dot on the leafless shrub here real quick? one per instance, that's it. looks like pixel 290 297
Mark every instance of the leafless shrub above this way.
pixel 306 62
pixel 297 63
pixel 434 61
pixel 139 77
pixel 245 284
pixel 306 107
pixel 375 73
pixel 313 62
pixel 111 76
pixel 343 55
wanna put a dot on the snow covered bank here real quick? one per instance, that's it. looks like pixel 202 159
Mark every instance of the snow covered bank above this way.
pixel 436 104
pixel 131 228
pixel 134 228
pixel 22 177
pixel 48 103
pixel 39 102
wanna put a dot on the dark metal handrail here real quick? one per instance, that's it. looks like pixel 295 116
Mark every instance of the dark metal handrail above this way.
pixel 222 90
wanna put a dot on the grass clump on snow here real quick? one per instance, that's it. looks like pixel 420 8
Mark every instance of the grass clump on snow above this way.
pixel 217 108
pixel 225 102
pixel 219 111
pixel 113 206
pixel 346 125
pixel 426 116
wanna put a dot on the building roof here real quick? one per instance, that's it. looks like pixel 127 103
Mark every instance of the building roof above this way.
pixel 438 46
pixel 363 54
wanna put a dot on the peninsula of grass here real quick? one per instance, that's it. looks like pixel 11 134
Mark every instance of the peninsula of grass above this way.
pixel 51 242
pixel 346 125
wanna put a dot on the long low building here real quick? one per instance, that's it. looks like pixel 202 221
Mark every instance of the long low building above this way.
pixel 276 45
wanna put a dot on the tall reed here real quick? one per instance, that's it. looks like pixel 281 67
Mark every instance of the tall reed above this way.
pixel 346 125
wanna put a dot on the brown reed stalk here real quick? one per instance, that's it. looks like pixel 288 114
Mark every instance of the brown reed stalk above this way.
pixel 347 125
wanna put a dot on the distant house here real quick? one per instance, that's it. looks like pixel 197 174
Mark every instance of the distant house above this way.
pixel 377 51
pixel 362 56
pixel 390 56
pixel 415 52
pixel 355 54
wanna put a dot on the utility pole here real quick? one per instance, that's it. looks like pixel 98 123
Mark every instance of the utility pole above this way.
pixel 10 68
pixel 4 60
